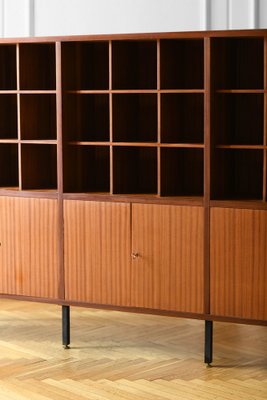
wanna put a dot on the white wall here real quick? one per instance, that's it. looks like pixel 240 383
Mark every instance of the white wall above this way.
pixel 69 17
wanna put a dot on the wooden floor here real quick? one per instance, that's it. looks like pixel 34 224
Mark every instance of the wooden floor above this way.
pixel 125 356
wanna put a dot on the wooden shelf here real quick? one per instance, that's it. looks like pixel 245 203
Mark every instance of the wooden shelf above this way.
pixel 8 77
pixel 37 66
pixel 182 64
pixel 177 124
pixel 134 117
pixel 85 65
pixel 134 64
pixel 238 63
pixel 182 172
pixel 86 117
pixel 8 116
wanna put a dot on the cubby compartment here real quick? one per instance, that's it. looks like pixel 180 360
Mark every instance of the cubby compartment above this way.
pixel 39 166
pixel 85 65
pixel 237 63
pixel 182 64
pixel 182 118
pixel 8 116
pixel 134 64
pixel 238 118
pixel 8 76
pixel 86 117
pixel 237 174
pixel 37 66
pixel 9 175
pixel 87 169
pixel 135 117
pixel 182 172
pixel 38 116
pixel 134 170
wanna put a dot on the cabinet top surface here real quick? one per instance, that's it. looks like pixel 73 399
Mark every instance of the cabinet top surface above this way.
pixel 148 36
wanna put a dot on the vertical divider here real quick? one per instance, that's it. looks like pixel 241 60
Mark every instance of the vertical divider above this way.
pixel 61 290
pixel 110 119
pixel 158 120
pixel 18 118
pixel 207 160
pixel 264 193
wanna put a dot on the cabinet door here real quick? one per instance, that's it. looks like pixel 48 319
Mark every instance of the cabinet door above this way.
pixel 238 262
pixel 97 252
pixel 29 247
pixel 168 270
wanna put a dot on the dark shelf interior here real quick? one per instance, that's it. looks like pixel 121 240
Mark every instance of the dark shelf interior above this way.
pixel 8 76
pixel 237 63
pixel 37 66
pixel 182 64
pixel 86 169
pixel 86 117
pixel 39 166
pixel 238 118
pixel 134 170
pixel 38 116
pixel 8 116
pixel 237 174
pixel 134 64
pixel 9 176
pixel 182 118
pixel 182 172
pixel 85 65
pixel 135 117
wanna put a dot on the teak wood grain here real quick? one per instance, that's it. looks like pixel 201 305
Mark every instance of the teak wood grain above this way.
pixel 238 260
pixel 97 252
pixel 29 247
pixel 168 272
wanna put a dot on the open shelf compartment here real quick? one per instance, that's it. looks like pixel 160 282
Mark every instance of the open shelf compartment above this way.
pixel 134 170
pixel 237 174
pixel 237 63
pixel 8 116
pixel 39 166
pixel 37 66
pixel 182 172
pixel 182 64
pixel 38 116
pixel 86 169
pixel 85 65
pixel 182 118
pixel 134 64
pixel 8 76
pixel 86 117
pixel 134 117
pixel 238 118
pixel 9 177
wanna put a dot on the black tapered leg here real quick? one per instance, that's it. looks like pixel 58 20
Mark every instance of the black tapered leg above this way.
pixel 66 326
pixel 208 342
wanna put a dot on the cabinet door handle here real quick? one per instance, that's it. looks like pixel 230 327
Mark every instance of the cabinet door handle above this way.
pixel 135 255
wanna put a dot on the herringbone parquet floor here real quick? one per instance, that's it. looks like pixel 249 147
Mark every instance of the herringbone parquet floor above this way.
pixel 125 356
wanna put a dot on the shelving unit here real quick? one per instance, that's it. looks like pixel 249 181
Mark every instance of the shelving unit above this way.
pixel 147 157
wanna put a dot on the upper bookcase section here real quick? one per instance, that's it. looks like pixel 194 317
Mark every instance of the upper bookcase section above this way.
pixel 238 63
pixel 37 66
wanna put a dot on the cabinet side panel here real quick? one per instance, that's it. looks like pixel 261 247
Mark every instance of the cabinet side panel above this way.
pixel 97 252
pixel 29 247
pixel 168 273
pixel 238 262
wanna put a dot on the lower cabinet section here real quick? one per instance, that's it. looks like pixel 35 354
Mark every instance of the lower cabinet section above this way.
pixel 238 262
pixel 29 247
pixel 134 255
pixel 97 252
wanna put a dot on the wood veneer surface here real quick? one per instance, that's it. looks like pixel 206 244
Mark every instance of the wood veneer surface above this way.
pixel 238 261
pixel 29 247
